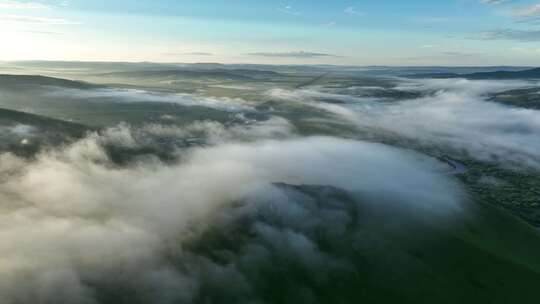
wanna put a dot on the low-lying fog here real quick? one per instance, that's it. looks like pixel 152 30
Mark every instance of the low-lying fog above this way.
pixel 454 113
pixel 72 220
pixel 75 226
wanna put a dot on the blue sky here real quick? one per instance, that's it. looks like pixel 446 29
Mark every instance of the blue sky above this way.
pixel 413 32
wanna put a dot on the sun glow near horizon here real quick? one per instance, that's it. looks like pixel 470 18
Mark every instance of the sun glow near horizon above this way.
pixel 418 32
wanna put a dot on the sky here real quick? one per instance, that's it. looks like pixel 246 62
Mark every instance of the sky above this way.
pixel 364 32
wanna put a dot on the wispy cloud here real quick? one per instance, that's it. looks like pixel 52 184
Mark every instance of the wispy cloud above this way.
pixel 459 54
pixel 430 20
pixel 526 12
pixel 189 54
pixel 288 10
pixel 37 20
pixel 351 10
pixel 526 51
pixel 494 1
pixel 445 55
pixel 330 24
pixel 42 32
pixel 299 54
pixel 9 4
pixel 199 54
pixel 510 34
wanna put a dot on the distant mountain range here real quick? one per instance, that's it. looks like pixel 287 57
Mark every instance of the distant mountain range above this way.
pixel 524 74
pixel 236 74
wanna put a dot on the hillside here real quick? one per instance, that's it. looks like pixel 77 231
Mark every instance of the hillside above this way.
pixel 525 74
pixel 16 82
pixel 177 74
pixel 26 134
pixel 408 259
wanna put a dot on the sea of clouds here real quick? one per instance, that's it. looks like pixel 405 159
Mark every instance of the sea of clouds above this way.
pixel 453 113
pixel 77 228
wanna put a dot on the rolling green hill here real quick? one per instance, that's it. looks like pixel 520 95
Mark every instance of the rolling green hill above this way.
pixel 392 254
pixel 25 134
pixel 17 82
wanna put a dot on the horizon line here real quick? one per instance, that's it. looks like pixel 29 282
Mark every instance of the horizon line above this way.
pixel 264 64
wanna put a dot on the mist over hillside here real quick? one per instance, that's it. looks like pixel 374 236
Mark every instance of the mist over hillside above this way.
pixel 269 152
pixel 213 183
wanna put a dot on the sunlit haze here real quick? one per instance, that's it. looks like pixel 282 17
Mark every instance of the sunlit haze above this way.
pixel 417 32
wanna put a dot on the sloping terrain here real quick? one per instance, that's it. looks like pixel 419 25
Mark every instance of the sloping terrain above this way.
pixel 502 75
pixel 26 134
pixel 21 82
pixel 237 185
pixel 524 98
pixel 381 257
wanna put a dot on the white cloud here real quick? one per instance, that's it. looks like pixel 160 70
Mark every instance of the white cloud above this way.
pixel 510 34
pixel 526 51
pixel 455 113
pixel 37 20
pixel 526 12
pixel 351 10
pixel 8 4
pixel 494 1
pixel 330 24
pixel 75 227
pixel 431 20
pixel 134 95
pixel 297 54
pixel 289 10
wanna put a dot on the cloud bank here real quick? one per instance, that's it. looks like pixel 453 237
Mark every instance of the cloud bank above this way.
pixel 136 95
pixel 454 113
pixel 76 228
